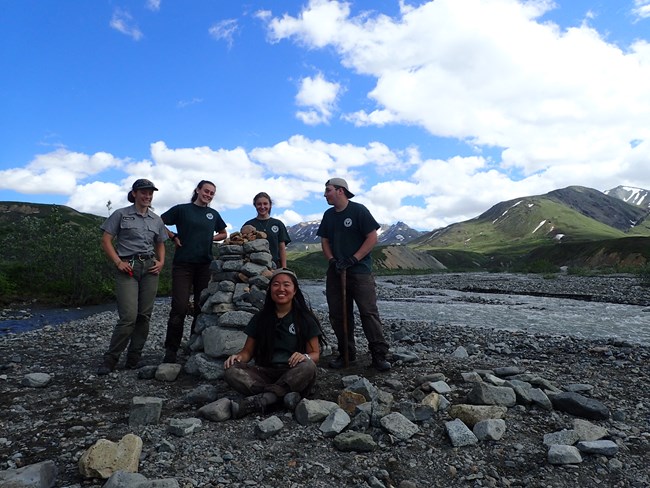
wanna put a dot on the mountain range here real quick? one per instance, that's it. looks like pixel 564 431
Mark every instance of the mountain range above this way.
pixel 574 213
pixel 304 234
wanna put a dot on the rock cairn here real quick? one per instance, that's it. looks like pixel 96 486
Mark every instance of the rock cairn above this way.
pixel 241 273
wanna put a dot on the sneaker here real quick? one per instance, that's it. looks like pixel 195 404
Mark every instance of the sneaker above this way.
pixel 380 364
pixel 105 368
pixel 248 405
pixel 339 362
pixel 170 356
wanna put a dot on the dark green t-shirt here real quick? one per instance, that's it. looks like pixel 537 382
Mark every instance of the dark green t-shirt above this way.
pixel 196 227
pixel 286 339
pixel 346 231
pixel 275 231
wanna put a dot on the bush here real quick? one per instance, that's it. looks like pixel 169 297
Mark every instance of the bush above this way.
pixel 62 262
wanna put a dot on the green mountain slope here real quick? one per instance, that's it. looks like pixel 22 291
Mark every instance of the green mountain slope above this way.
pixel 573 214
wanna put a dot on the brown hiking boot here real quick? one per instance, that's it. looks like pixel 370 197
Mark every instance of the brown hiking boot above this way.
pixel 246 406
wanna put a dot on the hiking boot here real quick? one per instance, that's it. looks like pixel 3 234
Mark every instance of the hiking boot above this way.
pixel 105 368
pixel 380 363
pixel 339 362
pixel 246 406
pixel 170 356
pixel 132 362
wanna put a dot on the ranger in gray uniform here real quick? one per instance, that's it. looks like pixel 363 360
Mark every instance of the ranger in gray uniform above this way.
pixel 138 258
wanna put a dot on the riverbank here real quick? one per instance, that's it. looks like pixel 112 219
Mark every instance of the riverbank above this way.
pixel 61 420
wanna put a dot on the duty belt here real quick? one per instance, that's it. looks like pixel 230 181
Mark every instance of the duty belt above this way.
pixel 139 257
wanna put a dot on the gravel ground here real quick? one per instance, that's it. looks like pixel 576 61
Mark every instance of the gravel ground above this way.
pixel 77 408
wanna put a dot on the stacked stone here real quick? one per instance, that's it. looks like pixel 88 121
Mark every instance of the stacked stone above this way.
pixel 240 276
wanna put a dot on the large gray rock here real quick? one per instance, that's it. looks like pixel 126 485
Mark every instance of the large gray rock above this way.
pixel 36 380
pixel 220 342
pixel 268 427
pixel 484 394
pixel 39 475
pixel 602 447
pixel 399 426
pixel 354 441
pixel 335 423
pixel 237 319
pixel 562 437
pixel 363 387
pixel 201 395
pixel 561 454
pixel 587 431
pixel 217 411
pixel 145 411
pixel 459 434
pixel 580 406
pixel 204 366
pixel 490 429
pixel 310 411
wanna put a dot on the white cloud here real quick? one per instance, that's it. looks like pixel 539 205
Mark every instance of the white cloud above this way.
pixel 187 103
pixel 492 73
pixel 224 30
pixel 122 21
pixel 320 96
pixel 58 172
pixel 153 5
pixel 641 9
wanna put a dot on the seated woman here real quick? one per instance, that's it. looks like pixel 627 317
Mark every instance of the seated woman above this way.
pixel 284 340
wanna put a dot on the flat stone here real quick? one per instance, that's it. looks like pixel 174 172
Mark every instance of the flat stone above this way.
pixel 602 447
pixel 217 411
pixel 36 475
pixel 459 434
pixel 354 441
pixel 470 415
pixel 399 426
pixel 561 454
pixel 490 429
pixel 581 406
pixel 268 427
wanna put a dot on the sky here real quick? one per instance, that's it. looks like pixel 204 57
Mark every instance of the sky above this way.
pixel 433 111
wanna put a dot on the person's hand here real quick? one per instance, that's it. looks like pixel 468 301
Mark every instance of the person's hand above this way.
pixel 332 262
pixel 345 263
pixel 157 267
pixel 231 360
pixel 297 358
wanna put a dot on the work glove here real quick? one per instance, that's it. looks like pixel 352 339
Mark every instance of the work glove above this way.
pixel 345 263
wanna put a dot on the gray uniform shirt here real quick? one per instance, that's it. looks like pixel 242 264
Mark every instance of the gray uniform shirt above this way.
pixel 135 233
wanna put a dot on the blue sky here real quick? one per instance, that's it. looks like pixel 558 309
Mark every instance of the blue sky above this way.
pixel 433 111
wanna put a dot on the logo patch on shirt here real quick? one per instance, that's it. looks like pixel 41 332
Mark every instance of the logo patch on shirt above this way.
pixel 275 229
pixel 347 222
pixel 292 329
pixel 209 216
pixel 128 218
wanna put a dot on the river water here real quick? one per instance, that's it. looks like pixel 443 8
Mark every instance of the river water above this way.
pixel 450 307
pixel 545 315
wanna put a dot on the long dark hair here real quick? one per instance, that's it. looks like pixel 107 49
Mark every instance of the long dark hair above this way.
pixel 195 195
pixel 267 322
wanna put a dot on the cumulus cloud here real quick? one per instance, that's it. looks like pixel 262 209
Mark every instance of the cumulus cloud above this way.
pixel 641 9
pixel 224 30
pixel 491 73
pixel 319 96
pixel 123 22
pixel 58 172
